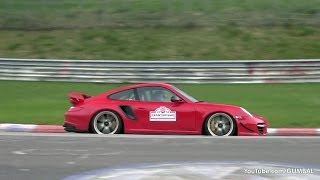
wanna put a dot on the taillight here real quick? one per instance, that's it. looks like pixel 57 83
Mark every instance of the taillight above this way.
pixel 72 108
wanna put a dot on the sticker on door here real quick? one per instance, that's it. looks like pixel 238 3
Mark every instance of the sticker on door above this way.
pixel 162 113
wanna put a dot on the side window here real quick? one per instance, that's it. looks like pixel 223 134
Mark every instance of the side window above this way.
pixel 123 95
pixel 155 94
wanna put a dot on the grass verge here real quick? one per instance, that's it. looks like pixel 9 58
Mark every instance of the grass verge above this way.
pixel 165 43
pixel 160 29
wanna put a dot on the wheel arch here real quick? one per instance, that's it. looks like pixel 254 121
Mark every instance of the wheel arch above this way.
pixel 214 112
pixel 106 109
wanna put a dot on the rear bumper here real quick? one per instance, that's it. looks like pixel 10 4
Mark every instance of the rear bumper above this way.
pixel 252 126
pixel 76 121
pixel 71 128
pixel 68 127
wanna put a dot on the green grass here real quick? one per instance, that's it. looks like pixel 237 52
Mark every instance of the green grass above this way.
pixel 284 105
pixel 160 29
pixel 40 14
pixel 225 42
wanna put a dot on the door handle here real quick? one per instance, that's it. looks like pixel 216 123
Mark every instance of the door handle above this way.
pixel 141 108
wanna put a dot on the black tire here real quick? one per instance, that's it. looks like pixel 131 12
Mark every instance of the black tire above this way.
pixel 220 124
pixel 106 122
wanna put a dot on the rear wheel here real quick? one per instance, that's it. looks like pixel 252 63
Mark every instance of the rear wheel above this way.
pixel 220 124
pixel 106 122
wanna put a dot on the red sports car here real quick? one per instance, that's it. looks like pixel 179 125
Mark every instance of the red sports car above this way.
pixel 157 108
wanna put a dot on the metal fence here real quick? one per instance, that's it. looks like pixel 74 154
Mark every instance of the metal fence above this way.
pixel 113 71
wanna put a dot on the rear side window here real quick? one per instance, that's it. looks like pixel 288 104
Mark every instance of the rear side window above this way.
pixel 123 95
pixel 155 94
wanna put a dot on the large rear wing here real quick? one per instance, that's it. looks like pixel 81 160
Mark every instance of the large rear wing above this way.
pixel 75 97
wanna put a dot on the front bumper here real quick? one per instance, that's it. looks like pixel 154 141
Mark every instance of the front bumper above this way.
pixel 252 126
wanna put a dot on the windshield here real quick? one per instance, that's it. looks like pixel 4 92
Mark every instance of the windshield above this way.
pixel 185 94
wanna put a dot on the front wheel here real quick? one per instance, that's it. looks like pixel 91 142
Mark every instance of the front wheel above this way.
pixel 220 124
pixel 106 122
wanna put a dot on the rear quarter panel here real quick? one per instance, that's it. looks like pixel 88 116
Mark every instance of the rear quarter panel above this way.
pixel 91 107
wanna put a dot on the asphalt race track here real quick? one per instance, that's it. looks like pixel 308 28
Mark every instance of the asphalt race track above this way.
pixel 59 156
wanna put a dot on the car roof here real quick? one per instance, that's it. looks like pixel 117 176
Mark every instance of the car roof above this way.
pixel 148 84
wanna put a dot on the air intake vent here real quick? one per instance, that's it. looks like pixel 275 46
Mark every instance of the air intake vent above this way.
pixel 261 128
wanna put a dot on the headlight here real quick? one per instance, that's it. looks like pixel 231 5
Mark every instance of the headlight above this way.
pixel 247 112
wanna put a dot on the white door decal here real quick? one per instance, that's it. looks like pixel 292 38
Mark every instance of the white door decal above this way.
pixel 162 114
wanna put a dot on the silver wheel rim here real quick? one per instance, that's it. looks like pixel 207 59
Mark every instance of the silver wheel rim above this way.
pixel 106 122
pixel 220 124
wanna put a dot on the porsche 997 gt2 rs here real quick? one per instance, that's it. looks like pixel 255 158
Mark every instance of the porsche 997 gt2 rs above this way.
pixel 157 108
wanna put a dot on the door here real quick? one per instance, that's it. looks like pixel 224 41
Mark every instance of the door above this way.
pixel 157 111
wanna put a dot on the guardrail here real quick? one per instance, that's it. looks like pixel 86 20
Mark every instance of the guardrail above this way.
pixel 112 71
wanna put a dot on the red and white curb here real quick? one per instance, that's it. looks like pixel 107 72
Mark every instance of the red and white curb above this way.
pixel 32 128
pixel 60 129
pixel 293 132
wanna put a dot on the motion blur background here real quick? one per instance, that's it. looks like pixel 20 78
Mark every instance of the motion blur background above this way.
pixel 162 30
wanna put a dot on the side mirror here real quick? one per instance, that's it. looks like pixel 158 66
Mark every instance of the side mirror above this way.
pixel 176 99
